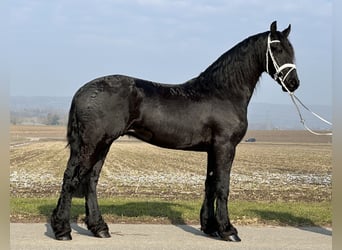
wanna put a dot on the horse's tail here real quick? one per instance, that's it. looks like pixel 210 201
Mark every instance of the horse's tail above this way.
pixel 74 143
pixel 73 136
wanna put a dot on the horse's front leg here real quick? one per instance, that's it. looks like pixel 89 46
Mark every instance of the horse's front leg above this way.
pixel 208 220
pixel 224 156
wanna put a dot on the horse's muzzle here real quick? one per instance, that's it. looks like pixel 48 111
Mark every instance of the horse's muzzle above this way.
pixel 291 84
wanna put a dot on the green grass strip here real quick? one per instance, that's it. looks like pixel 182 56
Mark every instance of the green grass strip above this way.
pixel 138 210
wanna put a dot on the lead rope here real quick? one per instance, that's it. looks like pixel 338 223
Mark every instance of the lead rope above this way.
pixel 294 98
pixel 277 75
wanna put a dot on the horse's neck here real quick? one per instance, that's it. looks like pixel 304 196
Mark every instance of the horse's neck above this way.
pixel 236 73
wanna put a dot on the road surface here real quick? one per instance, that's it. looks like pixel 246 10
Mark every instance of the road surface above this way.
pixel 158 237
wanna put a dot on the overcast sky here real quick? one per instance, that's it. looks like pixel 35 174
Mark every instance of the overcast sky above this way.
pixel 57 46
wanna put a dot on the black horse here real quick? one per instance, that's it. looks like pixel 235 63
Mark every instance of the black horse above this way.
pixel 207 113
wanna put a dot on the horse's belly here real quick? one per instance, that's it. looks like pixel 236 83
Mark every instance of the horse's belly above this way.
pixel 172 137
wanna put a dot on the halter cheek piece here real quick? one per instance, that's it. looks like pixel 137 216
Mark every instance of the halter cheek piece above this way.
pixel 279 69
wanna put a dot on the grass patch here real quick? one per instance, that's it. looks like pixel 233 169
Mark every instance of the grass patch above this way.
pixel 133 210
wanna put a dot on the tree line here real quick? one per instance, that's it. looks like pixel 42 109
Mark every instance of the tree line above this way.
pixel 37 117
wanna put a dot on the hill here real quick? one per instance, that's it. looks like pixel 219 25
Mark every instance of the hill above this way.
pixel 265 116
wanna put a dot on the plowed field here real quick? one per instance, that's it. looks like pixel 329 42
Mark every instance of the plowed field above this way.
pixel 280 165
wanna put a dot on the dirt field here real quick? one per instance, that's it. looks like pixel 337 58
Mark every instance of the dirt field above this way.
pixel 280 165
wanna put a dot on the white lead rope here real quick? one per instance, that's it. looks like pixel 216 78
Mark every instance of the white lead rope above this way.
pixel 292 95
pixel 294 98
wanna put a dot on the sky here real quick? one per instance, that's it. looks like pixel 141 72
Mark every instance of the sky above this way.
pixel 57 46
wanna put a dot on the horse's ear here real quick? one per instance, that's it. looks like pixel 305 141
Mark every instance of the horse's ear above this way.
pixel 286 31
pixel 273 27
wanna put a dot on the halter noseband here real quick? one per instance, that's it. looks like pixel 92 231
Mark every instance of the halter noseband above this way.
pixel 279 69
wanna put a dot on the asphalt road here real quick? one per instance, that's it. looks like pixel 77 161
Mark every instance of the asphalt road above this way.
pixel 158 237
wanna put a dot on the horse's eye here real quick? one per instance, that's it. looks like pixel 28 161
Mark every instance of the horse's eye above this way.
pixel 277 49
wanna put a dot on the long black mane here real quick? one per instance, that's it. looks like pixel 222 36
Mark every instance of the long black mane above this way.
pixel 240 65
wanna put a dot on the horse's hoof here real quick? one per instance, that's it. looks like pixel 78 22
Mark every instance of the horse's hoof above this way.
pixel 234 238
pixel 103 234
pixel 64 237
pixel 214 234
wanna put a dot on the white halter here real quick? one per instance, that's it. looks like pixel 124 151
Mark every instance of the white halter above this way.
pixel 279 69
pixel 278 75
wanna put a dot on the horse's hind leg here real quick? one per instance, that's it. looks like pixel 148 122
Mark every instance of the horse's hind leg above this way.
pixel 94 220
pixel 80 179
pixel 61 214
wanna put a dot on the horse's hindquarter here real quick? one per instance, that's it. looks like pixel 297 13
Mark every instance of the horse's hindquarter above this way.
pixel 103 106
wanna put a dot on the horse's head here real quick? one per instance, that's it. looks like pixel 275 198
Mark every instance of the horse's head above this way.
pixel 280 58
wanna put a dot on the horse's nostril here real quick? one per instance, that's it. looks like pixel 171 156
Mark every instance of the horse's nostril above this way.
pixel 293 84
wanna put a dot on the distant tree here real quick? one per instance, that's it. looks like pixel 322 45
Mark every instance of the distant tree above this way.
pixel 52 119
pixel 13 120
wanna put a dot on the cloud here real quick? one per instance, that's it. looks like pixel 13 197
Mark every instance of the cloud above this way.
pixel 23 11
pixel 152 2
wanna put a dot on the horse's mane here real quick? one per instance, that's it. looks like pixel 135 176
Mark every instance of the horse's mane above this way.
pixel 236 67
